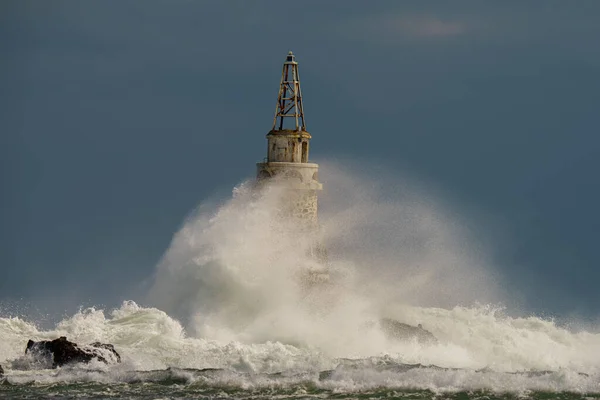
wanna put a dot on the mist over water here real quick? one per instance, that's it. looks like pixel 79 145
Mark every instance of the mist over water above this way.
pixel 228 294
pixel 231 273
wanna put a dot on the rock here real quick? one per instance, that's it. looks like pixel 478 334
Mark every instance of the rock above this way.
pixel 108 347
pixel 60 352
pixel 398 330
pixel 1 371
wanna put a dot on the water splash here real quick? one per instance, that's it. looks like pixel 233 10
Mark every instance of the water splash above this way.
pixel 227 296
pixel 485 346
pixel 231 273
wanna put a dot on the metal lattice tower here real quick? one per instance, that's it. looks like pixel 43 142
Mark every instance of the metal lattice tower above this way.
pixel 289 101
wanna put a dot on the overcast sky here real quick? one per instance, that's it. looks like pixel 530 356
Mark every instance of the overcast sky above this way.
pixel 118 117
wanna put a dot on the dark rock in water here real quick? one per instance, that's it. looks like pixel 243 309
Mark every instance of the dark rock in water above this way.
pixel 108 347
pixel 323 375
pixel 60 351
pixel 1 371
pixel 398 330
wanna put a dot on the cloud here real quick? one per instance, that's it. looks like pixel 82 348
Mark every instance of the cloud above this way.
pixel 410 26
pixel 426 26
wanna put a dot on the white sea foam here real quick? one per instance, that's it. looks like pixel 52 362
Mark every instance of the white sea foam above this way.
pixel 228 296
pixel 470 338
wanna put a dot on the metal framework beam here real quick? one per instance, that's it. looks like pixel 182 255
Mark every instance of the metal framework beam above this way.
pixel 289 100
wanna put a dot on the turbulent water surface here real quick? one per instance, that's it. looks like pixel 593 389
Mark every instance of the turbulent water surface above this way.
pixel 228 316
pixel 479 352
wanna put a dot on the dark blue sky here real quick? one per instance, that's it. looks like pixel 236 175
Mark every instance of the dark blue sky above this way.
pixel 118 117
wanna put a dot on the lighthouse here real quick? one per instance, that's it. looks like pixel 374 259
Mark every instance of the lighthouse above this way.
pixel 287 166
pixel 288 146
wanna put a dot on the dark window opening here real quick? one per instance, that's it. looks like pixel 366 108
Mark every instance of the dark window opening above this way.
pixel 304 151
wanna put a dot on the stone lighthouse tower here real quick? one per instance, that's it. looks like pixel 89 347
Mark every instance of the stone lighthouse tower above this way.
pixel 288 145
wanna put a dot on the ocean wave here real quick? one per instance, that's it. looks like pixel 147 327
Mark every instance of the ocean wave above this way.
pixel 229 310
pixel 156 349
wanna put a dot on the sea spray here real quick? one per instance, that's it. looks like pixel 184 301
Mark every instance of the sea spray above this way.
pixel 480 349
pixel 227 297
pixel 233 273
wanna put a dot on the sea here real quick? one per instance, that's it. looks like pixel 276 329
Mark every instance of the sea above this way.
pixel 227 315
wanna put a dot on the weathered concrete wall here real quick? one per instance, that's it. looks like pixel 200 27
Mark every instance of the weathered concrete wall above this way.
pixel 288 146
pixel 301 182
pixel 298 175
pixel 287 166
pixel 301 205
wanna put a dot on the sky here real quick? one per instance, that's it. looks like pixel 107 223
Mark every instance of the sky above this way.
pixel 117 118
